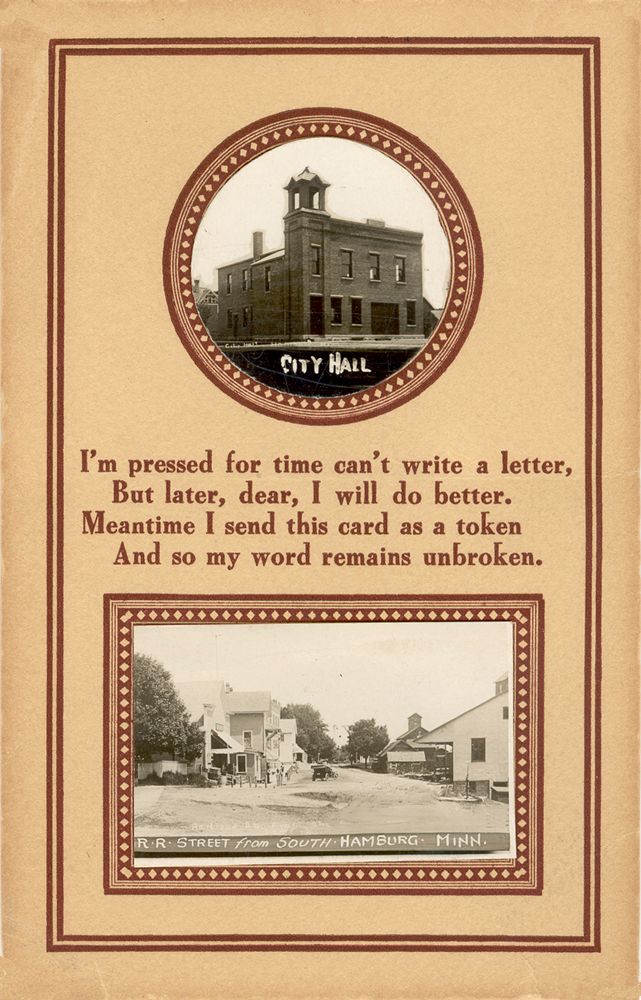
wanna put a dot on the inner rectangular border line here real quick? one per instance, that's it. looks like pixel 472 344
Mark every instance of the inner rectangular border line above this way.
pixel 587 939
pixel 522 875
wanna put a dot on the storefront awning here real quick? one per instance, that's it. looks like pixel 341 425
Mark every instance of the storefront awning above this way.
pixel 231 746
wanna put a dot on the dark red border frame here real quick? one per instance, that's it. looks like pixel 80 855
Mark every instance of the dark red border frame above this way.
pixel 440 186
pixel 521 875
pixel 587 50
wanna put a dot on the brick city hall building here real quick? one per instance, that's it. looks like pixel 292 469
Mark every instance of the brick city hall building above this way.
pixel 334 280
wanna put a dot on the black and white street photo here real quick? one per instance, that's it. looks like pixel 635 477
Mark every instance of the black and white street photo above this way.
pixel 323 739
pixel 321 267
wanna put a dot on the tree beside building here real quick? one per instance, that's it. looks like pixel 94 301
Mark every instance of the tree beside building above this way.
pixel 311 729
pixel 161 721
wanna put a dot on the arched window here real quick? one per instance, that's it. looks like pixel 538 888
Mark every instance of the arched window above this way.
pixel 315 198
pixel 296 199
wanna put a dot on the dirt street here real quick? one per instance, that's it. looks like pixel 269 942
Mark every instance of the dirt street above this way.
pixel 354 802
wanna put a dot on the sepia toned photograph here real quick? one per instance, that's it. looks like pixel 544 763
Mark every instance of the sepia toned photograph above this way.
pixel 279 740
pixel 321 267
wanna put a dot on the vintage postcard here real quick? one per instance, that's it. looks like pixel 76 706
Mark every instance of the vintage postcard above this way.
pixel 320 381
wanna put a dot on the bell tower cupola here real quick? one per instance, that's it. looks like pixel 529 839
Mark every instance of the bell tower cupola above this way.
pixel 306 191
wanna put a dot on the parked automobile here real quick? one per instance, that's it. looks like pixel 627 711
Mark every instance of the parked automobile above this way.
pixel 322 772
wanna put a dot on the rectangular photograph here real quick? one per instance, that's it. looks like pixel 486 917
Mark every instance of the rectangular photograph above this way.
pixel 271 741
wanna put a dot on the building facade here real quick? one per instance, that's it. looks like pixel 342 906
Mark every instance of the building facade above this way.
pixel 219 747
pixel 477 743
pixel 290 752
pixel 334 280
pixel 406 762
pixel 254 723
pixel 406 741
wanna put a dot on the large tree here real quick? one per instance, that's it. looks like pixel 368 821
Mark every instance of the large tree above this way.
pixel 161 721
pixel 311 731
pixel 365 739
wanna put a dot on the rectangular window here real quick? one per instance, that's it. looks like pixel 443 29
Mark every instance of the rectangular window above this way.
pixel 241 763
pixel 347 264
pixel 247 739
pixel 411 312
pixel 316 315
pixel 336 304
pixel 229 284
pixel 268 278
pixel 229 319
pixel 245 282
pixel 247 316
pixel 357 312
pixel 374 267
pixel 506 712
pixel 316 260
pixel 399 269
pixel 477 754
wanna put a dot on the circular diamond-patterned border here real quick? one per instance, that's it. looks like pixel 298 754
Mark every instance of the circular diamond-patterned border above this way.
pixel 518 874
pixel 440 186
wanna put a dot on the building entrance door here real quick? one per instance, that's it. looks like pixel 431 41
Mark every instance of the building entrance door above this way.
pixel 385 319
pixel 316 315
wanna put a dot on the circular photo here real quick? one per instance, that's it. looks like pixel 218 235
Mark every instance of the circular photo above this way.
pixel 321 268
pixel 330 268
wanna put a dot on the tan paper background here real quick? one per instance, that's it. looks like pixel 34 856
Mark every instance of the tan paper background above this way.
pixel 510 128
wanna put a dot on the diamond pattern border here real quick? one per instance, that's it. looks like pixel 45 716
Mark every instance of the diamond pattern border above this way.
pixel 439 185
pixel 520 874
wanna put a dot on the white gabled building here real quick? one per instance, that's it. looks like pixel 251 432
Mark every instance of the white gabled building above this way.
pixel 479 741
pixel 290 752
